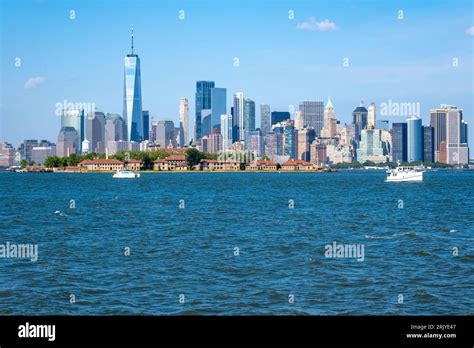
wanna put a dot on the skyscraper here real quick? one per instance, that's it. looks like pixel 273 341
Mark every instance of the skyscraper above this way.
pixel 203 101
pixel 226 131
pixel 218 106
pixel 249 117
pixel 414 139
pixel 428 144
pixel 74 118
pixel 313 115
pixel 165 134
pixel 371 147
pixel 68 142
pixel 371 117
pixel 305 137
pixel 359 120
pixel 330 126
pixel 184 118
pixel 206 121
pixel 279 116
pixel 299 122
pixel 450 140
pixel 146 124
pixel 399 142
pixel 265 119
pixel 238 117
pixel 132 97
pixel 255 142
pixel 115 128
pixel 95 131
pixel 215 141
pixel 457 152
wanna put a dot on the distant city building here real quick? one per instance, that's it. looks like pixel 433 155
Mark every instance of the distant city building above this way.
pixel 414 139
pixel 336 154
pixel 26 147
pixel 85 147
pixel 457 151
pixel 255 142
pixel 371 147
pixel 279 116
pixel 132 97
pixel 68 142
pixel 95 131
pixel 359 120
pixel 115 128
pixel 305 137
pixel 205 144
pixel 271 145
pixel 238 117
pixel 450 135
pixel 146 124
pixel 184 119
pixel 428 144
pixel 313 115
pixel 371 117
pixel 399 142
pixel 74 118
pixel 203 101
pixel 40 153
pixel 382 124
pixel 330 124
pixel 7 155
pixel 226 131
pixel 290 139
pixel 318 152
pixel 206 126
pixel 299 122
pixel 165 134
pixel 265 119
pixel 215 141
pixel 218 106
pixel 249 118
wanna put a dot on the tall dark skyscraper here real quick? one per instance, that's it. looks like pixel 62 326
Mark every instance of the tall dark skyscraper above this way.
pixel 428 144
pixel 218 106
pixel 146 124
pixel 132 97
pixel 249 119
pixel 399 142
pixel 203 101
pixel 359 120
pixel 279 116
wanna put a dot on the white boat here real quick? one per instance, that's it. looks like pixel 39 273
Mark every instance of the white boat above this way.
pixel 405 174
pixel 125 174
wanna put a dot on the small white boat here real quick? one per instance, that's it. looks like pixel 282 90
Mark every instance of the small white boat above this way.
pixel 125 174
pixel 404 174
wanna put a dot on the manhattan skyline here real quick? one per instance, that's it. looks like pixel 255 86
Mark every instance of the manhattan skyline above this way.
pixel 281 61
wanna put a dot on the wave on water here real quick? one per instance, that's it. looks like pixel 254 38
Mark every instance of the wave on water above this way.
pixel 408 233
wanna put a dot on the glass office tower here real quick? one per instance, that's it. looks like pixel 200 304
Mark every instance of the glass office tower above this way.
pixel 132 97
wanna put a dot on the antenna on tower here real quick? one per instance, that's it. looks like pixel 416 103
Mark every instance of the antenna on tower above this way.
pixel 131 29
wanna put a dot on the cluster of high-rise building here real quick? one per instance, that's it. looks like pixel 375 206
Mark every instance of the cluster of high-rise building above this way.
pixel 312 133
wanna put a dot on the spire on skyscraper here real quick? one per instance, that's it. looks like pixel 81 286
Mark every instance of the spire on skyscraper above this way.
pixel 329 104
pixel 131 30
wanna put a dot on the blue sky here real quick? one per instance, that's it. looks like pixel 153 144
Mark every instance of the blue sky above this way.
pixel 282 61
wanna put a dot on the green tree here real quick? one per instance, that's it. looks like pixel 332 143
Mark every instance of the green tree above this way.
pixel 23 163
pixel 193 157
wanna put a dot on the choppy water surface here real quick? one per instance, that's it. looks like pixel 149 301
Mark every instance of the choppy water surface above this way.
pixel 191 251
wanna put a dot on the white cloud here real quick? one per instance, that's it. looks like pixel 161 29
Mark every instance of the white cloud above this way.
pixel 34 82
pixel 470 30
pixel 312 25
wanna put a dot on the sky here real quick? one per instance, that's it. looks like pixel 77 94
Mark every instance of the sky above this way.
pixel 384 52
